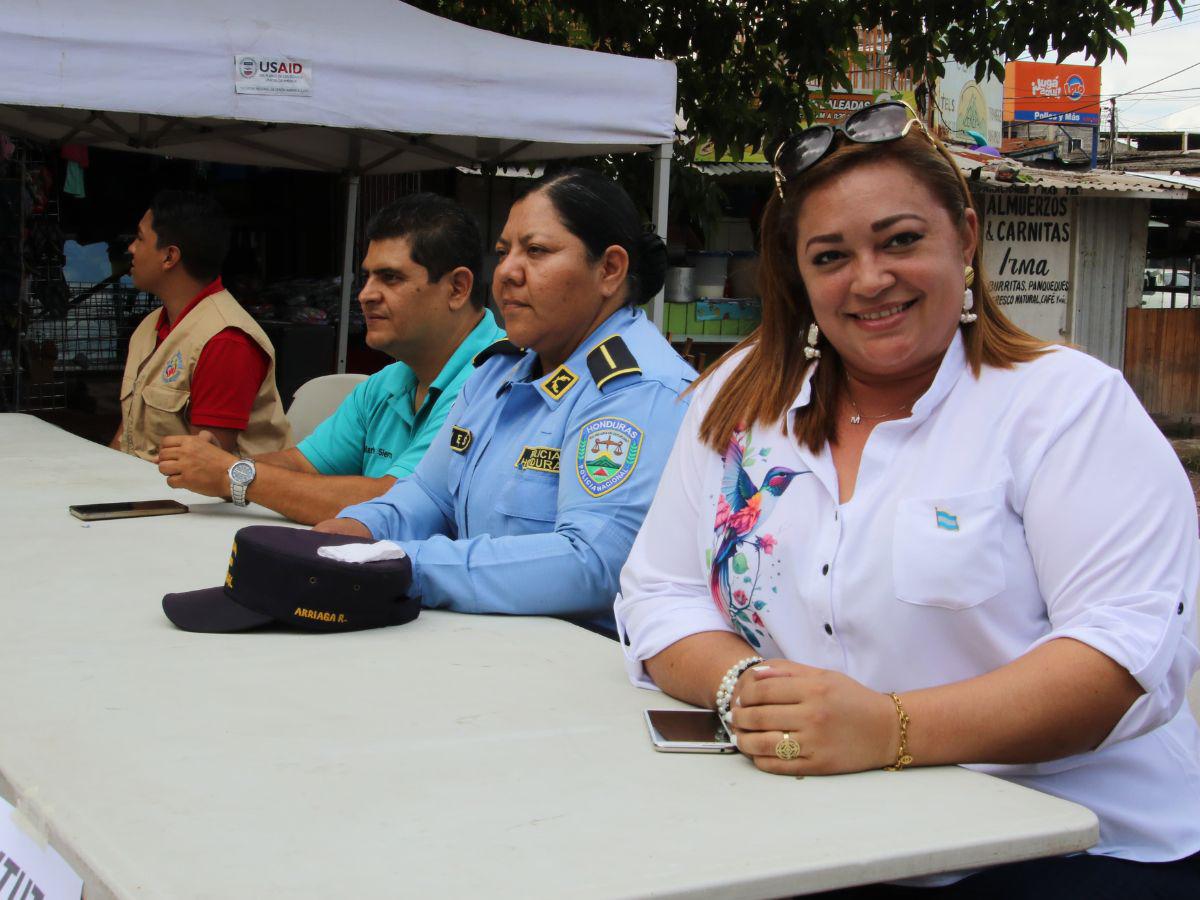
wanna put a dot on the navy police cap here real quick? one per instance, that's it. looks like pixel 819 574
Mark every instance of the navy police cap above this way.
pixel 275 575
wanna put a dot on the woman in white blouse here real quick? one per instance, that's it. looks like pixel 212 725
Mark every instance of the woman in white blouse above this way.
pixel 950 542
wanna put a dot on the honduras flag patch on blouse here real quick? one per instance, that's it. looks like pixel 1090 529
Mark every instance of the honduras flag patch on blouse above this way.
pixel 608 453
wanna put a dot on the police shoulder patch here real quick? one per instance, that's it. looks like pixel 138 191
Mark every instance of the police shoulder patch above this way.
pixel 610 358
pixel 502 346
pixel 608 453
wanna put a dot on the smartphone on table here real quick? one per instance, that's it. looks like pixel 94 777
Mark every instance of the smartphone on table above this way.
pixel 92 512
pixel 688 731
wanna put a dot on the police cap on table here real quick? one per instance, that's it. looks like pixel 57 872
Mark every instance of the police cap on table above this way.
pixel 275 575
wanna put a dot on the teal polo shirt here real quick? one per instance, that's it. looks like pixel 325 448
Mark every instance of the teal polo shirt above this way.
pixel 375 431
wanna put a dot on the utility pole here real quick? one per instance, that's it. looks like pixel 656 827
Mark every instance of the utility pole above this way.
pixel 1112 130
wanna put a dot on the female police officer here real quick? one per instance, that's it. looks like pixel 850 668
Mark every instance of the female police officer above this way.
pixel 529 499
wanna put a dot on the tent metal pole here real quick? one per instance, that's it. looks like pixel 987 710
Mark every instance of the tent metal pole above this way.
pixel 347 269
pixel 662 185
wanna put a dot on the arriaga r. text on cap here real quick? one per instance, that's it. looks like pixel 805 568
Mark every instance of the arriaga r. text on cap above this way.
pixel 275 575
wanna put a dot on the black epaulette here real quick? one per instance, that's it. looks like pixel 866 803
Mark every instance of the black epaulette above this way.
pixel 610 358
pixel 501 346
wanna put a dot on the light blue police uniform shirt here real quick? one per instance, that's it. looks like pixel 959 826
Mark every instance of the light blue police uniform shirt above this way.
pixel 532 493
pixel 376 432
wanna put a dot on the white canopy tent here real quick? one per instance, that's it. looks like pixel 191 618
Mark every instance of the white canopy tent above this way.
pixel 389 89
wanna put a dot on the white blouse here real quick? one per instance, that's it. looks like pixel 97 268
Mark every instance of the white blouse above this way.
pixel 1029 504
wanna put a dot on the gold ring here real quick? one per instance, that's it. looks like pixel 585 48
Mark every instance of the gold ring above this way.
pixel 787 748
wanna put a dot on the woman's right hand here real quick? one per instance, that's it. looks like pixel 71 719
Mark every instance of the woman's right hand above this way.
pixel 840 724
pixel 352 527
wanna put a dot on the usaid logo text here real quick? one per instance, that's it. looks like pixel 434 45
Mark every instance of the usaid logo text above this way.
pixel 280 67
pixel 250 66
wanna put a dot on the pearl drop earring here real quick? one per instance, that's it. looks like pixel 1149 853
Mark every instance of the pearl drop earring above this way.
pixel 811 351
pixel 966 316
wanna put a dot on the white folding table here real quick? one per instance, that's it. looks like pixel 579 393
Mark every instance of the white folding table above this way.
pixel 454 756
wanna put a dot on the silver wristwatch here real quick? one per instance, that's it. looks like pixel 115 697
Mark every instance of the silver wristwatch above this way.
pixel 241 474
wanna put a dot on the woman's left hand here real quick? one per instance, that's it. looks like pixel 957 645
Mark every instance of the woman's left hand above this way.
pixel 840 725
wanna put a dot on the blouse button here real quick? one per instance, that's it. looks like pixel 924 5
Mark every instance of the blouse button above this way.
pixel 828 628
pixel 825 569
pixel 1180 610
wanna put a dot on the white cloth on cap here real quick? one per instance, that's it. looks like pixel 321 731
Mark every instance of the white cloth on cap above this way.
pixel 363 553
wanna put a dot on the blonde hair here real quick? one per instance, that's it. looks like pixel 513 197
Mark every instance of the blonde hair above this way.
pixel 764 384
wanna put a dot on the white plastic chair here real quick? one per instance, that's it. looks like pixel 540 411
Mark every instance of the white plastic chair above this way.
pixel 316 400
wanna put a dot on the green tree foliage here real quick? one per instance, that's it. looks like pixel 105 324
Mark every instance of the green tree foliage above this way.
pixel 745 65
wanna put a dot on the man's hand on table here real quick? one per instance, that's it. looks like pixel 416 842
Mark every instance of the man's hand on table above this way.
pixel 352 527
pixel 197 463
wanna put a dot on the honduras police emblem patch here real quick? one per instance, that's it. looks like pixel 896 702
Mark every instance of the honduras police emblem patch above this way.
pixel 608 452
pixel 173 369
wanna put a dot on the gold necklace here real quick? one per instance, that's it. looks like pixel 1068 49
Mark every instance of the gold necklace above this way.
pixel 857 416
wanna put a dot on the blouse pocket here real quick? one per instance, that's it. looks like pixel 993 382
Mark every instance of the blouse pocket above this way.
pixel 530 495
pixel 949 551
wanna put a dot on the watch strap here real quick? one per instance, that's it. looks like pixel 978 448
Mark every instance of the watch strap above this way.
pixel 237 487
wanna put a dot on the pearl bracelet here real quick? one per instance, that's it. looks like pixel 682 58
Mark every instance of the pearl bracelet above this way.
pixel 725 691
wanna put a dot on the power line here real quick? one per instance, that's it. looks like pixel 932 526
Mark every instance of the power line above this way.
pixel 1168 13
pixel 1148 32
pixel 1164 115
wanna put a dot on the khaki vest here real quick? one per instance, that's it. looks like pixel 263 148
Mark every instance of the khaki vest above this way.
pixel 158 381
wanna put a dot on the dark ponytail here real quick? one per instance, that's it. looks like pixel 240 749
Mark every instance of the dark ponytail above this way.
pixel 597 211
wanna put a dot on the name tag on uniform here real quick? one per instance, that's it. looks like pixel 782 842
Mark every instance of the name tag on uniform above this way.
pixel 460 439
pixel 539 459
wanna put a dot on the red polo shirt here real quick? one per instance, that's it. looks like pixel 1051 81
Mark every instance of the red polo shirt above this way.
pixel 228 374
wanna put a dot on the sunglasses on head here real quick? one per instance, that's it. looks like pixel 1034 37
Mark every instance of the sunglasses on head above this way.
pixel 878 124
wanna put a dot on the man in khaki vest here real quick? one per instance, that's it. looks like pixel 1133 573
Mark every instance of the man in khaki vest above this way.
pixel 423 304
pixel 200 362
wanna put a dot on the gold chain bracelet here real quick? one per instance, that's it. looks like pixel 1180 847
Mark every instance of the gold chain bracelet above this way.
pixel 903 759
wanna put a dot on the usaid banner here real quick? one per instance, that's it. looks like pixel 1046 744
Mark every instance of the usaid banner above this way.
pixel 254 74
pixel 1045 92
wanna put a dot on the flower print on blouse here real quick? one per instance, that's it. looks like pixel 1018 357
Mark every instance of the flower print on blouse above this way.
pixel 736 578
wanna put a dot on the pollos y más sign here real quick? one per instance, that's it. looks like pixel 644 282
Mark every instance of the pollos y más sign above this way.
pixel 1047 92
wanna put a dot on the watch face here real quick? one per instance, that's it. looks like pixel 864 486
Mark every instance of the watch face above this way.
pixel 241 472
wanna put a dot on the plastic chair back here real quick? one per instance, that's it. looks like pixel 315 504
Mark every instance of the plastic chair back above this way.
pixel 316 400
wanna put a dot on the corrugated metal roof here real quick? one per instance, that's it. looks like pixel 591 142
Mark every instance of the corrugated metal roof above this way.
pixel 1009 174
pixel 733 168
pixel 1191 182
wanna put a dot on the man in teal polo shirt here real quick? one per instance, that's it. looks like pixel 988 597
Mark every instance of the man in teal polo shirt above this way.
pixel 423 306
